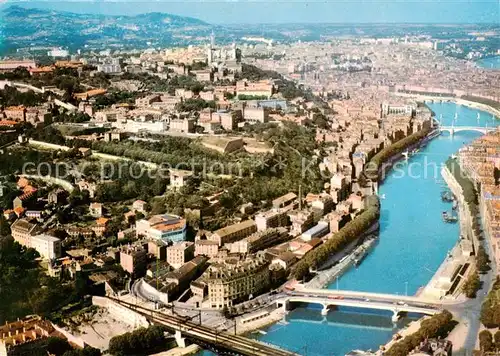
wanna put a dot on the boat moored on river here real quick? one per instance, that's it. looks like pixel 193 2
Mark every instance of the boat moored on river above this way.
pixel 449 217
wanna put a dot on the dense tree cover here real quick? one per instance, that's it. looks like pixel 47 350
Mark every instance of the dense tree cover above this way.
pixel 373 167
pixel 194 104
pixel 25 289
pixel 19 73
pixel 114 97
pixel 154 83
pixel 18 278
pixel 7 137
pixel 99 80
pixel 469 191
pixel 10 96
pixel 13 160
pixel 438 325
pixel 53 346
pixel 320 120
pixel 253 73
pixel 347 234
pixel 261 177
pixel 490 311
pixel 127 181
pixel 139 342
pixel 197 66
pixel 251 97
pixel 482 260
pixel 48 134
pixel 175 152
pixel 471 285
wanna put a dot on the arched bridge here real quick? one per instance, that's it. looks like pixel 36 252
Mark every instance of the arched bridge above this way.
pixel 453 129
pixel 395 308
pixel 395 303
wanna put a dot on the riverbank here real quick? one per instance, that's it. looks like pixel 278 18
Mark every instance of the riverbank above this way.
pixel 446 283
pixel 347 258
pixel 458 101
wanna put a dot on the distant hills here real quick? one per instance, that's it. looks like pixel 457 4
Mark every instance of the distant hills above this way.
pixel 30 28
pixel 31 31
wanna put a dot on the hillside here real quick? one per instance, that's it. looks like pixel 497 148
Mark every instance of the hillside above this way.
pixel 22 28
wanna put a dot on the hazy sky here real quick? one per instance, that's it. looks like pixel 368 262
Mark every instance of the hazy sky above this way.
pixel 278 11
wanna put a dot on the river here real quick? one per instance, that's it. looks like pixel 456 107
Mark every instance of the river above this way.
pixel 413 243
pixel 489 63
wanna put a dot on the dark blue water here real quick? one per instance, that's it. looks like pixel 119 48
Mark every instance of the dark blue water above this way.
pixel 413 243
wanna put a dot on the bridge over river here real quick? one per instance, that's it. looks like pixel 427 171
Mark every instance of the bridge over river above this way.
pixel 328 298
pixel 454 129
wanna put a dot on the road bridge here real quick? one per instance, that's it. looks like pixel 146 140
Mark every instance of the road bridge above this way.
pixel 184 327
pixel 454 129
pixel 395 307
pixel 359 295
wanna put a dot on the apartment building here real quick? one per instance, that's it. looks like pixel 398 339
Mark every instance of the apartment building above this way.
pixel 259 240
pixel 262 88
pixel 28 330
pixel 284 200
pixel 179 177
pixel 301 220
pixel 233 232
pixel 206 248
pixel 180 253
pixel 49 247
pixel 229 284
pixel 133 260
pixel 271 218
pixel 256 114
pixel 181 125
pixel 22 231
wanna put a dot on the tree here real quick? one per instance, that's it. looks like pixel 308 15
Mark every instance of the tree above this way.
pixel 497 340
pixel 58 346
pixel 4 227
pixel 141 341
pixel 490 311
pixel 482 260
pixel 486 341
pixel 472 285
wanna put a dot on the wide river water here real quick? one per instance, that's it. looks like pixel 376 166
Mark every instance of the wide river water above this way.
pixel 413 243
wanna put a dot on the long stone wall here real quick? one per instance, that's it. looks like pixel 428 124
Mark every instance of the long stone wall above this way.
pixel 71 338
pixel 121 313
pixel 46 145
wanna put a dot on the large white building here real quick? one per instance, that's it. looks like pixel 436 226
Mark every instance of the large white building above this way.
pixel 168 228
pixel 49 247
pixel 58 52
